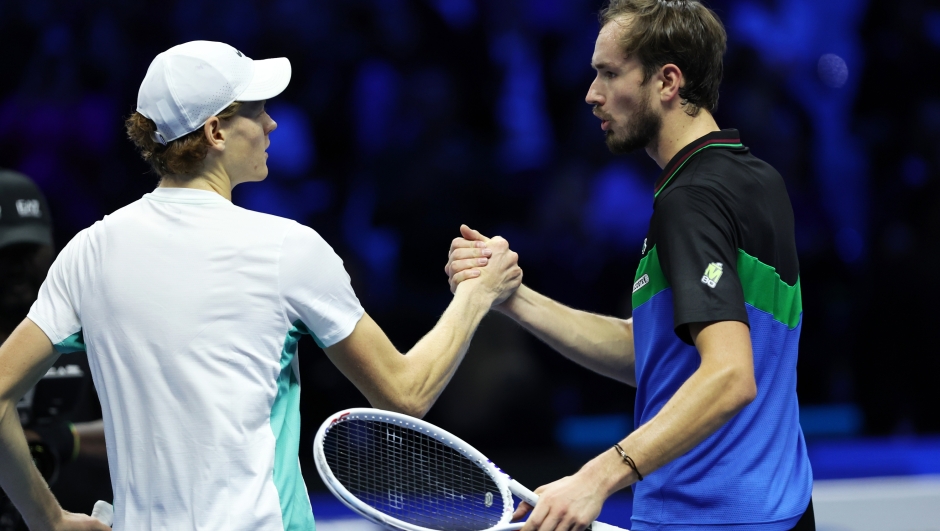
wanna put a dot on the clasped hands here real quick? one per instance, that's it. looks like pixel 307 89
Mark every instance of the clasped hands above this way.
pixel 469 257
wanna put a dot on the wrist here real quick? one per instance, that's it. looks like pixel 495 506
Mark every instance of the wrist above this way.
pixel 510 306
pixel 610 472
pixel 476 295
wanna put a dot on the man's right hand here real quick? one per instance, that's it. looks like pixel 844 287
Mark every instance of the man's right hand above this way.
pixel 78 522
pixel 473 253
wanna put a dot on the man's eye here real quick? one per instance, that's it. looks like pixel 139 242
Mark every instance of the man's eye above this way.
pixel 610 75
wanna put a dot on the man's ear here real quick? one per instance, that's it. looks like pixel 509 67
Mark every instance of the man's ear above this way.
pixel 214 133
pixel 671 80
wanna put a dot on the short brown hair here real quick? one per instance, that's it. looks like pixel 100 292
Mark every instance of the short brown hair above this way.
pixel 181 158
pixel 681 32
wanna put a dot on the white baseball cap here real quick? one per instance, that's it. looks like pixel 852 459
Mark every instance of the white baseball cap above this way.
pixel 192 82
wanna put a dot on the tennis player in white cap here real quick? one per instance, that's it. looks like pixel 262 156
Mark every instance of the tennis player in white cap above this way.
pixel 190 309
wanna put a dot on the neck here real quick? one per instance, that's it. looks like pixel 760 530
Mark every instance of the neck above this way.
pixel 679 130
pixel 213 181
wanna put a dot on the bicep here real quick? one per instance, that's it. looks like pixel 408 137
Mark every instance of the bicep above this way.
pixel 367 358
pixel 725 346
pixel 24 358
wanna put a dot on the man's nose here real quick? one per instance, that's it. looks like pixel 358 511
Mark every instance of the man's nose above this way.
pixel 594 97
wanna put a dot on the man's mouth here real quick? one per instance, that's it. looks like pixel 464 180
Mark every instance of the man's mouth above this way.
pixel 605 122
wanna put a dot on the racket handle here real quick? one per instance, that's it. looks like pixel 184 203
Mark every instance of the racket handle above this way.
pixel 600 526
pixel 532 498
pixel 104 512
pixel 523 493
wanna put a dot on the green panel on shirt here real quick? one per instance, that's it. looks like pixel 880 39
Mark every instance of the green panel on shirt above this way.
pixel 766 291
pixel 649 279
pixel 763 287
pixel 285 423
pixel 73 343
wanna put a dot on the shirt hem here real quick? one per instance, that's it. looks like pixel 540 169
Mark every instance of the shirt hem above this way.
pixel 785 524
pixel 345 331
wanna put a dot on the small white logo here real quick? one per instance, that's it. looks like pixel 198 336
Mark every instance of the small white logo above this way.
pixel 712 274
pixel 65 371
pixel 643 250
pixel 488 499
pixel 644 280
pixel 28 208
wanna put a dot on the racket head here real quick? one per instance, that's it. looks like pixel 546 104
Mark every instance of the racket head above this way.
pixel 404 473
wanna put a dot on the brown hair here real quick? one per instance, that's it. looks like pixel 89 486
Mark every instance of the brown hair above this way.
pixel 182 158
pixel 681 32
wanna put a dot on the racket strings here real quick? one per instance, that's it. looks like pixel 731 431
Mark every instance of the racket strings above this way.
pixel 412 476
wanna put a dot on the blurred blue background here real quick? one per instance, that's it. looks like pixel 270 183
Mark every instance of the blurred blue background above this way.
pixel 406 118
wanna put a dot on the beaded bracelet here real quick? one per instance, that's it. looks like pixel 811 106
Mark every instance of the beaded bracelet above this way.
pixel 628 460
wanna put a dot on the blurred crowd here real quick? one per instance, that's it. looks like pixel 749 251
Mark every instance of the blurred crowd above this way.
pixel 406 118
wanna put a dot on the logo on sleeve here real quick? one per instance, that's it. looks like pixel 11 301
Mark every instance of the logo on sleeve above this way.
pixel 644 280
pixel 643 250
pixel 712 274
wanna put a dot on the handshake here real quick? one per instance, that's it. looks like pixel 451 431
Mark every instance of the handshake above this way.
pixel 486 264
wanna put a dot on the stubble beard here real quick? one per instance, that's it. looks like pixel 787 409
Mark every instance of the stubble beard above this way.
pixel 643 132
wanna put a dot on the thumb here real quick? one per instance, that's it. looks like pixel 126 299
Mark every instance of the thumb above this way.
pixel 472 235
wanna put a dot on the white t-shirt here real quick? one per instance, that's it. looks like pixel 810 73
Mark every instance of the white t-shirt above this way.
pixel 190 309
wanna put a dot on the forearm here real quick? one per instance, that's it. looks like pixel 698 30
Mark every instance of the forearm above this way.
pixel 19 478
pixel 600 343
pixel 432 362
pixel 704 403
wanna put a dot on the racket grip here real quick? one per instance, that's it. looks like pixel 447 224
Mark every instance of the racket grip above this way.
pixel 523 493
pixel 104 512
pixel 600 526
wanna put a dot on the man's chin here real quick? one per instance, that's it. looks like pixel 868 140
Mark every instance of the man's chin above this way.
pixel 621 146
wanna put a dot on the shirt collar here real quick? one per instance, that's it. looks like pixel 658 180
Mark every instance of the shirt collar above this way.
pixel 185 195
pixel 726 139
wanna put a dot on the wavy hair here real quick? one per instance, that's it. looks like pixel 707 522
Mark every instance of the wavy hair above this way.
pixel 680 32
pixel 181 158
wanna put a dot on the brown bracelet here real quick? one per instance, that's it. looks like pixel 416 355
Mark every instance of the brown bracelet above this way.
pixel 628 460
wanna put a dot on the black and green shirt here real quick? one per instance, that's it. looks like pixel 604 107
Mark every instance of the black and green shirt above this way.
pixel 721 247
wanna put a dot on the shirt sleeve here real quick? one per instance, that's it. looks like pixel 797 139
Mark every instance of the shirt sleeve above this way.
pixel 316 287
pixel 698 254
pixel 57 310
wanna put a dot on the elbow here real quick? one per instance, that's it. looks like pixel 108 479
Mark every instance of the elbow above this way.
pixel 419 411
pixel 737 389
pixel 743 391
pixel 412 409
pixel 401 404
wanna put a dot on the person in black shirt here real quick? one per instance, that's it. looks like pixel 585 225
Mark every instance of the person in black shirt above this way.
pixel 717 314
pixel 51 411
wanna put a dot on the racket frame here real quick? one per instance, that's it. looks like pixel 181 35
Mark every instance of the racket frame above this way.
pixel 507 486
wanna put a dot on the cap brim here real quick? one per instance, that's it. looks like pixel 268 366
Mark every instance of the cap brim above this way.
pixel 26 234
pixel 270 79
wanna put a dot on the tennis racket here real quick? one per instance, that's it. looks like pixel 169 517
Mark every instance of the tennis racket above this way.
pixel 406 474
